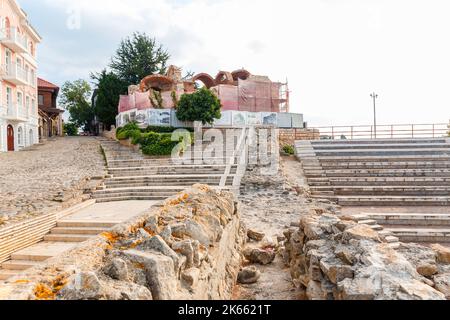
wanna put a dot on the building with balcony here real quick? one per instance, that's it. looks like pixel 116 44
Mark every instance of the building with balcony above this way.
pixel 50 117
pixel 19 117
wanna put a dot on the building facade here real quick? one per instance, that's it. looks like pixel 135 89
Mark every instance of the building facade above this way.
pixel 50 117
pixel 246 100
pixel 18 79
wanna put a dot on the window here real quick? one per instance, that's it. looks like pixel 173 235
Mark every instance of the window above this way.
pixel 20 136
pixel 27 105
pixel 41 100
pixel 9 96
pixel 33 78
pixel 31 137
pixel 33 106
pixel 20 99
pixel 27 73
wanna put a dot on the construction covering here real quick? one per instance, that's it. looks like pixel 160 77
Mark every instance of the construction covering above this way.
pixel 258 96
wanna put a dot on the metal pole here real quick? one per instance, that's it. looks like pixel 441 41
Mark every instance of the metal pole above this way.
pixel 374 97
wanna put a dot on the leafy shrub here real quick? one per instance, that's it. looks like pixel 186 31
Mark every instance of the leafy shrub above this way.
pixel 288 149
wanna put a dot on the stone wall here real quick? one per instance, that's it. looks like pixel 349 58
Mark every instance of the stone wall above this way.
pixel 187 248
pixel 337 259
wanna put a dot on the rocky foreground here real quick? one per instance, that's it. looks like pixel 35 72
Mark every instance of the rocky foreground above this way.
pixel 189 248
pixel 339 259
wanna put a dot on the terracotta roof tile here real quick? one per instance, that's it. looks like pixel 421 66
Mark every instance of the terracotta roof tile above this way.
pixel 45 84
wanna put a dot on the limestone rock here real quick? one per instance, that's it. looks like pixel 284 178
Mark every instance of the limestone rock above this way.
pixel 185 248
pixel 196 232
pixel 427 269
pixel 442 284
pixel 152 224
pixel 336 272
pixel 249 275
pixel 314 291
pixel 157 244
pixel 443 253
pixel 255 235
pixel 160 273
pixel 117 269
pixel 361 232
pixel 260 256
pixel 82 286
pixel 190 277
pixel 131 291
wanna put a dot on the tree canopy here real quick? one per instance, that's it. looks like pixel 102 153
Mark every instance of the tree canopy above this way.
pixel 75 98
pixel 137 57
pixel 109 88
pixel 202 105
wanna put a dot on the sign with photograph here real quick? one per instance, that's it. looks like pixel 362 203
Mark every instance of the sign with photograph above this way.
pixel 158 117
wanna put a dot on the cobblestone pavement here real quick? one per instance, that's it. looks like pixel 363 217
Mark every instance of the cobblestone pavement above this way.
pixel 46 177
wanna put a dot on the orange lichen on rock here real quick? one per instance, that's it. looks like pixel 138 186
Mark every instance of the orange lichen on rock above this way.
pixel 112 238
pixel 43 292
pixel 22 281
pixel 180 199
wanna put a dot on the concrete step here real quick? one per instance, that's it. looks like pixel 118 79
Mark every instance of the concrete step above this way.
pixel 67 237
pixel 380 141
pixel 383 181
pixel 381 165
pixel 382 152
pixel 135 195
pixel 85 224
pixel 390 201
pixel 384 190
pixel 6 274
pixel 130 198
pixel 411 219
pixel 383 158
pixel 19 265
pixel 384 146
pixel 385 172
pixel 427 235
pixel 42 251
pixel 78 230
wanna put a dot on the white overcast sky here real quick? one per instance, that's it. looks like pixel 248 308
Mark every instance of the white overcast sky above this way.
pixel 333 52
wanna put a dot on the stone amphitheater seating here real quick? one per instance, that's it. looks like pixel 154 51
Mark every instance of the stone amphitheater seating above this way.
pixel 412 172
pixel 385 173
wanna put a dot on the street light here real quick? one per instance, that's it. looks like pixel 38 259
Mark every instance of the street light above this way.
pixel 374 96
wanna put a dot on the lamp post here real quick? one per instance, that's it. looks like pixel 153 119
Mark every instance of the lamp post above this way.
pixel 374 96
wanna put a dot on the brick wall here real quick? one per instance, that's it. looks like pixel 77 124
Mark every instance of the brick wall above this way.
pixel 289 136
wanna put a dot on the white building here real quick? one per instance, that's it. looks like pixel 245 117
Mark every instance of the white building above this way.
pixel 18 79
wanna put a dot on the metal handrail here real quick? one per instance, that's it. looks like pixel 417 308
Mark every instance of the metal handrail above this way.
pixel 390 131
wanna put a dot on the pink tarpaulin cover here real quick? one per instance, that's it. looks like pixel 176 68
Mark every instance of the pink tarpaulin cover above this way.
pixel 125 103
pixel 229 97
pixel 142 101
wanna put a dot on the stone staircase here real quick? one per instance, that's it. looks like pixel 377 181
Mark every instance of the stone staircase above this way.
pixel 66 235
pixel 402 172
pixel 133 176
pixel 413 227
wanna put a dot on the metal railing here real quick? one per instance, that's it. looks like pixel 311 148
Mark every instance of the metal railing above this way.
pixel 392 131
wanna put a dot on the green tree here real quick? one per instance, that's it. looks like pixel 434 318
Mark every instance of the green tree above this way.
pixel 70 129
pixel 109 89
pixel 202 106
pixel 75 98
pixel 137 57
